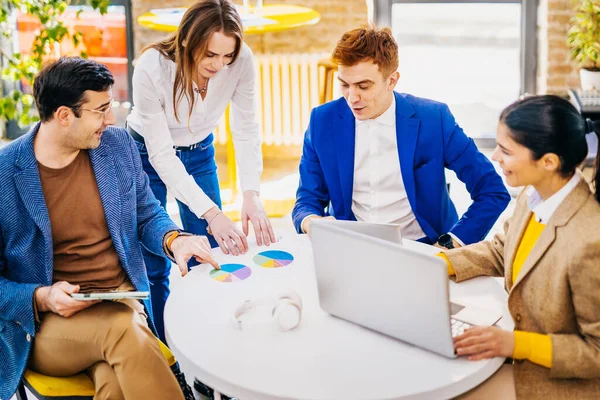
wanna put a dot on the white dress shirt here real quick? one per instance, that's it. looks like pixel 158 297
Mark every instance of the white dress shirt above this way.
pixel 543 209
pixel 378 194
pixel 153 118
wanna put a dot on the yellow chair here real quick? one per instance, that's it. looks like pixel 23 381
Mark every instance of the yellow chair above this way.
pixel 327 70
pixel 80 386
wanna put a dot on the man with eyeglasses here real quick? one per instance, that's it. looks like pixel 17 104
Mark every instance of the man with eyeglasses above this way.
pixel 76 209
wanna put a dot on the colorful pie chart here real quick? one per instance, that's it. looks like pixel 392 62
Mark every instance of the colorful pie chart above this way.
pixel 231 273
pixel 273 258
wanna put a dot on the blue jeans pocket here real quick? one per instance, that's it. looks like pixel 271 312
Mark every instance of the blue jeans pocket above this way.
pixel 141 147
pixel 207 143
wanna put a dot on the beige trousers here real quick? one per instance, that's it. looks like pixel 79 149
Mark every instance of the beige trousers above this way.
pixel 500 386
pixel 112 343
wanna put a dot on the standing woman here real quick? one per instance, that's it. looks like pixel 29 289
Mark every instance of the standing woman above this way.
pixel 181 88
pixel 549 255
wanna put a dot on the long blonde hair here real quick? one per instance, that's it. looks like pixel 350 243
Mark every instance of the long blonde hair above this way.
pixel 199 22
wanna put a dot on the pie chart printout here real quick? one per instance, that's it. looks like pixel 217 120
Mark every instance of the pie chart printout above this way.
pixel 273 259
pixel 231 273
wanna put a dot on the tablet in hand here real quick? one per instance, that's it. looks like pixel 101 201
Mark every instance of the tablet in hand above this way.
pixel 110 295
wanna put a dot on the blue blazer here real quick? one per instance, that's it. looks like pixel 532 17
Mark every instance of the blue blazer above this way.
pixel 429 140
pixel 132 213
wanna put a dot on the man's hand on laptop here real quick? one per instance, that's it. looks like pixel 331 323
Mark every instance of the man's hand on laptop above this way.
pixel 186 247
pixel 57 299
pixel 482 342
pixel 305 226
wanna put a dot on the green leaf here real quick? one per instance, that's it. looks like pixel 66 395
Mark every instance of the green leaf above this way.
pixel 10 110
pixel 27 99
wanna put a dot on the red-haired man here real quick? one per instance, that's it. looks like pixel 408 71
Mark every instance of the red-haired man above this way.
pixel 376 155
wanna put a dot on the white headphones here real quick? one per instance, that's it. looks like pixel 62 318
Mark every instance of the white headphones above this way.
pixel 286 310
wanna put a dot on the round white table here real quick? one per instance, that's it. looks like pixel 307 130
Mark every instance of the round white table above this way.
pixel 324 358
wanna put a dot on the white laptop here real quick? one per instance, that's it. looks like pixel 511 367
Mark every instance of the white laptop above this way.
pixel 377 283
pixel 389 232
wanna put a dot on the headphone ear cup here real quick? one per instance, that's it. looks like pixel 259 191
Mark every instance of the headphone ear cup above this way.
pixel 287 314
pixel 293 296
pixel 235 321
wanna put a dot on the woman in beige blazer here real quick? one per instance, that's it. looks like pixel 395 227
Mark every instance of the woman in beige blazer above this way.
pixel 549 255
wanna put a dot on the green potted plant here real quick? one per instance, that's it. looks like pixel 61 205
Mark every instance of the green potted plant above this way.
pixel 584 41
pixel 18 68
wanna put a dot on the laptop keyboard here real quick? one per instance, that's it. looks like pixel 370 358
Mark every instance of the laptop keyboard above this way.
pixel 458 327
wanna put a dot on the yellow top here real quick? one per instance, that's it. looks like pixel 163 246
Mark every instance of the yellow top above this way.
pixel 275 18
pixel 532 233
pixel 534 347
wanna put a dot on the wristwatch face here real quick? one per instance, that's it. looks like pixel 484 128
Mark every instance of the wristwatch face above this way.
pixel 445 240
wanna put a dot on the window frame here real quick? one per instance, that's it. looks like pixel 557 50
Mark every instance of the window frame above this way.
pixel 382 13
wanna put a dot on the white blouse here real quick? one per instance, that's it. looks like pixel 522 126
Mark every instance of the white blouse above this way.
pixel 153 118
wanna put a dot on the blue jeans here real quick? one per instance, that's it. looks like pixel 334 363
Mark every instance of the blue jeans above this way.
pixel 200 163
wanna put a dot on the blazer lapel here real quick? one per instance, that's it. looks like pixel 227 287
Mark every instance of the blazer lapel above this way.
pixel 407 133
pixel 29 186
pixel 569 207
pixel 106 177
pixel 539 249
pixel 345 147
pixel 513 239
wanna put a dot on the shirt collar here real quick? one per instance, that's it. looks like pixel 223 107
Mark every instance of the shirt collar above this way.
pixel 388 118
pixel 543 209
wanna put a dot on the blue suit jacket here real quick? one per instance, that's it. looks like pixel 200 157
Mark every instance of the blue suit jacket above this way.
pixel 26 256
pixel 429 140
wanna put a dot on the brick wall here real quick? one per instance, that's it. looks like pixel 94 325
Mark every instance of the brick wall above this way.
pixel 556 71
pixel 337 16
